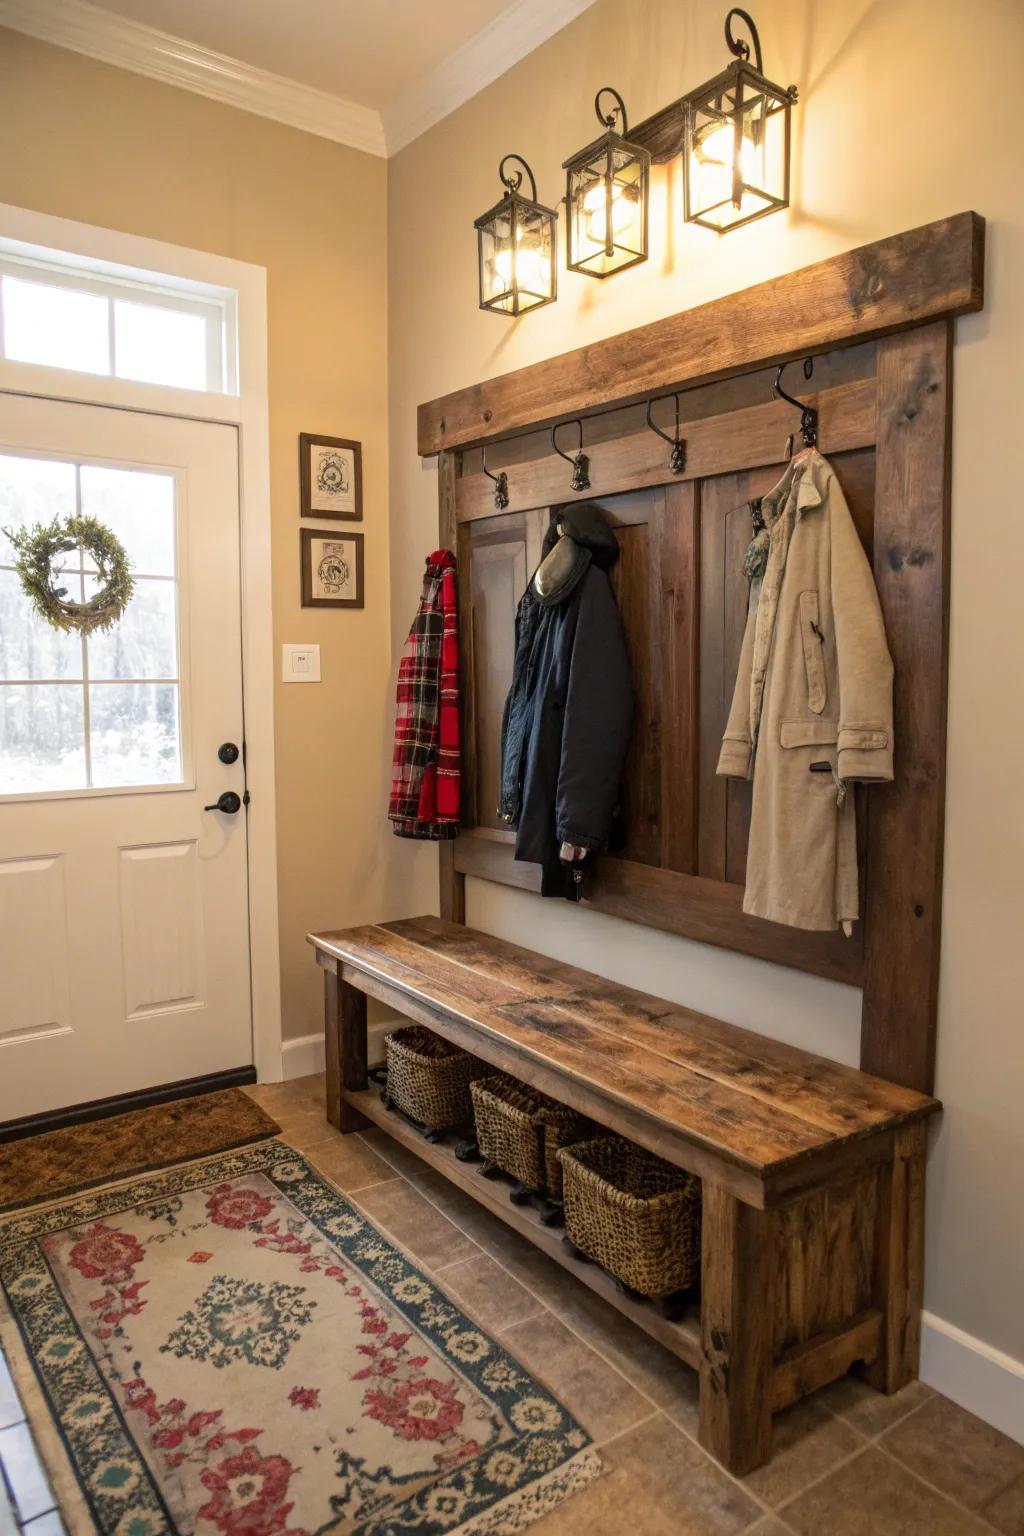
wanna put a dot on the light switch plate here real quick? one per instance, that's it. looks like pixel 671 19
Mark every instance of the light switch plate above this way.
pixel 300 663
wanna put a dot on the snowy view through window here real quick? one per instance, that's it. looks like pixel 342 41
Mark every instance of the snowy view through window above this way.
pixel 104 711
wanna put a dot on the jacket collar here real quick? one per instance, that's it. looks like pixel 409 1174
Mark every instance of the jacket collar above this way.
pixel 803 486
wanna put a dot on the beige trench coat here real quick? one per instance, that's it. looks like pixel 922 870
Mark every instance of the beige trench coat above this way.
pixel 814 687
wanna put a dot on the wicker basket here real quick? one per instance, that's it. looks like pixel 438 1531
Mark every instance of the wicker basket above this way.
pixel 637 1216
pixel 522 1131
pixel 428 1079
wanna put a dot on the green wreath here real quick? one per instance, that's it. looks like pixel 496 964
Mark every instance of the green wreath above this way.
pixel 39 547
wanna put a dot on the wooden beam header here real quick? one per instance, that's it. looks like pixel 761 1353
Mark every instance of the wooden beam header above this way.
pixel 934 272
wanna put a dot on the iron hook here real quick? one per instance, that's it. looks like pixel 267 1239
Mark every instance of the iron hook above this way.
pixel 808 413
pixel 677 463
pixel 500 483
pixel 579 461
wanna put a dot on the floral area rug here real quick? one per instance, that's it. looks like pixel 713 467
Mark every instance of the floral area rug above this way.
pixel 230 1346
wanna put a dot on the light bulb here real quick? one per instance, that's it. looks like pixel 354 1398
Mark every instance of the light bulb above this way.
pixel 531 268
pixel 595 211
pixel 712 163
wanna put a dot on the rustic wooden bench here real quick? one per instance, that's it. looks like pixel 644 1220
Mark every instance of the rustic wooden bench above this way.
pixel 813 1173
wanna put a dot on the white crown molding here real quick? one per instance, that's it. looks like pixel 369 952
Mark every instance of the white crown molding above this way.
pixel 473 66
pixel 147 51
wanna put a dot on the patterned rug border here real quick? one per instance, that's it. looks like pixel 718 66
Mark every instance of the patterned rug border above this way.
pixel 418 1298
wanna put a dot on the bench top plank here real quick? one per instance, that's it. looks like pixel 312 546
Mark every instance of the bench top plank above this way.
pixel 756 1103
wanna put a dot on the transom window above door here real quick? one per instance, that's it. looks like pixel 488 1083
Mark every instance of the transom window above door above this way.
pixel 98 323
pixel 91 713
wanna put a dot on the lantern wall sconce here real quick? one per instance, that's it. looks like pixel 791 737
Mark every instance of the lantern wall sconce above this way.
pixel 737 140
pixel 517 247
pixel 606 197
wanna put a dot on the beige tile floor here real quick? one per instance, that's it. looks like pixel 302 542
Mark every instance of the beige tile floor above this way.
pixel 847 1462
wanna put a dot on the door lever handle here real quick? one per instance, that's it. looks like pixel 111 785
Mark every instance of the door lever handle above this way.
pixel 228 802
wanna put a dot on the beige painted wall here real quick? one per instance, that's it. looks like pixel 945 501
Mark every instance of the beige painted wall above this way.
pixel 901 121
pixel 88 142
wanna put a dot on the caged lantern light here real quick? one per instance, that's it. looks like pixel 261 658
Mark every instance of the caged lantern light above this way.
pixel 516 247
pixel 736 157
pixel 606 197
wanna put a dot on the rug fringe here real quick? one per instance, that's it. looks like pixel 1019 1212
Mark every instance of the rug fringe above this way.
pixel 528 1505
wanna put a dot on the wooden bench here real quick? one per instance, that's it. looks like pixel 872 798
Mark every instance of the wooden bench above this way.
pixel 813 1173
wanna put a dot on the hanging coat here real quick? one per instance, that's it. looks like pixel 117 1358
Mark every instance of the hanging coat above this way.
pixel 425 772
pixel 569 711
pixel 812 709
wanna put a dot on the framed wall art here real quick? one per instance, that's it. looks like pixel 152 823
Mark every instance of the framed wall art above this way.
pixel 332 568
pixel 330 477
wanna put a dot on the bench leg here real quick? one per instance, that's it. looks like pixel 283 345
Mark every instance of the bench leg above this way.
pixel 899 1261
pixel 345 1049
pixel 737 1324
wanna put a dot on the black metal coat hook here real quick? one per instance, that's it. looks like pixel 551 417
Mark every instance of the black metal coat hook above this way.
pixel 808 413
pixel 677 462
pixel 579 461
pixel 500 483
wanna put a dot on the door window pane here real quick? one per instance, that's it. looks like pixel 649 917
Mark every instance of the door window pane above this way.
pixel 32 491
pixel 144 643
pixel 42 737
pixel 29 647
pixel 102 711
pixel 138 507
pixel 60 327
pixel 134 733
pixel 160 346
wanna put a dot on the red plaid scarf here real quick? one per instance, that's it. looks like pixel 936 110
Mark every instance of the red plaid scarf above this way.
pixel 425 768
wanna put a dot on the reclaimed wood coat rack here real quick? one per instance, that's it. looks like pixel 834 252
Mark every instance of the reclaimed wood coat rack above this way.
pixel 879 323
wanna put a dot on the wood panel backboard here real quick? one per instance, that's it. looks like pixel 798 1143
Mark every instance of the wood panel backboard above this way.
pixel 884 423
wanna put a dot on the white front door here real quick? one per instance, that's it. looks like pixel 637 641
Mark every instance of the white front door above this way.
pixel 124 939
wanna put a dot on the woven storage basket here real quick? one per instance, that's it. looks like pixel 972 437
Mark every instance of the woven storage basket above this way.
pixel 522 1130
pixel 637 1216
pixel 428 1079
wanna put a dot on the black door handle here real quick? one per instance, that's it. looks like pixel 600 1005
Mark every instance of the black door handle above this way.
pixel 228 752
pixel 228 802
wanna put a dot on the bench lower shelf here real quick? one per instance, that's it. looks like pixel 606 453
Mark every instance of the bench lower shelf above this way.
pixel 681 1336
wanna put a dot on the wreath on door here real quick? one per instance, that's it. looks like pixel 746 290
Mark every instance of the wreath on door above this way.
pixel 40 569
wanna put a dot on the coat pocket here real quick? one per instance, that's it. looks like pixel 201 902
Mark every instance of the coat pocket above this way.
pixel 808 733
pixel 814 651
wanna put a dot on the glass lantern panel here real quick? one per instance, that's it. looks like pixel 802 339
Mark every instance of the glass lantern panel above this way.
pixel 534 264
pixel 496 263
pixel 608 191
pixel 762 157
pixel 516 265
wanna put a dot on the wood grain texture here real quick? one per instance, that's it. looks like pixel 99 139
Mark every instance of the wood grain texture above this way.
pixel 923 274
pixel 903 918
pixel 899 1260
pixel 823 1359
pixel 826 1251
pixel 690 1084
pixel 743 438
pixel 737 1283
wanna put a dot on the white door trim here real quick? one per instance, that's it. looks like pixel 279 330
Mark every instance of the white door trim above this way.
pixel 30 233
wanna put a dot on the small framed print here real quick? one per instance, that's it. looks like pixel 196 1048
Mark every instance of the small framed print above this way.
pixel 332 568
pixel 331 477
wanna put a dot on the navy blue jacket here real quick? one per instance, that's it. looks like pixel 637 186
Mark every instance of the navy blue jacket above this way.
pixel 569 711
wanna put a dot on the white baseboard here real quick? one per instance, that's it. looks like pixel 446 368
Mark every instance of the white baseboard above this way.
pixel 300 1058
pixel 981 1379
